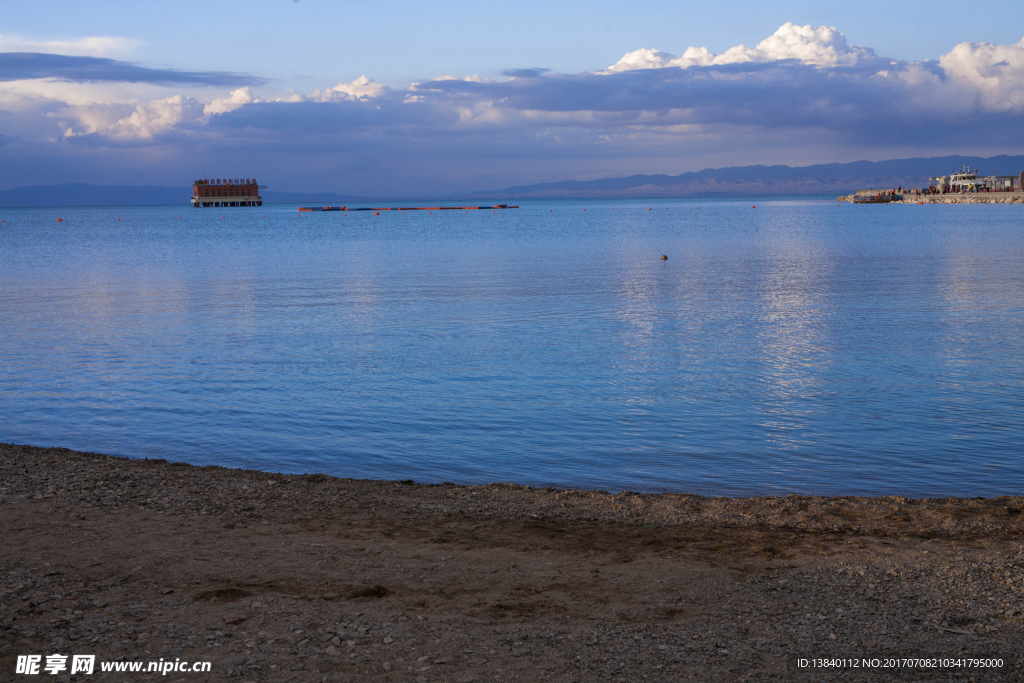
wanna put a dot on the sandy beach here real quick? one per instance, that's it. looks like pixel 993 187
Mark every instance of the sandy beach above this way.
pixel 274 577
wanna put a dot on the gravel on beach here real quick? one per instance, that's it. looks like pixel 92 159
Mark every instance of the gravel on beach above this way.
pixel 274 577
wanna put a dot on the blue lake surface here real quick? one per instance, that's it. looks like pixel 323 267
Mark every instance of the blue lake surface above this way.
pixel 795 347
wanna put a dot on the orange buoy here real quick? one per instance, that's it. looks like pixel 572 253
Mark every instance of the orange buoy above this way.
pixel 179 218
pixel 648 209
pixel 584 209
pixel 754 206
pixel 376 213
pixel 663 258
pixel 61 220
pixel 118 219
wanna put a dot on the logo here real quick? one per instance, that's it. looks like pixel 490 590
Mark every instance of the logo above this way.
pixel 55 664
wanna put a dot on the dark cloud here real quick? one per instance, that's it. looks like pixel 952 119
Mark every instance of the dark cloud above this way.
pixel 525 73
pixel 386 112
pixel 15 66
pixel 850 103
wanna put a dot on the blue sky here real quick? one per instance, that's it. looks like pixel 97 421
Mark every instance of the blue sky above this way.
pixel 404 98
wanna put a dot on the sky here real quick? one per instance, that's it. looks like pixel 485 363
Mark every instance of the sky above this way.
pixel 412 99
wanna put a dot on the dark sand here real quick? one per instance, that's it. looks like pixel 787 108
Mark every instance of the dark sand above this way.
pixel 313 578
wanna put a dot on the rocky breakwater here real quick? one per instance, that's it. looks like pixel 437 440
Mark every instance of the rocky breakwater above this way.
pixel 868 197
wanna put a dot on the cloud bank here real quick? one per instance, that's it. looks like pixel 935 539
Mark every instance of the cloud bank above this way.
pixel 801 93
pixel 20 66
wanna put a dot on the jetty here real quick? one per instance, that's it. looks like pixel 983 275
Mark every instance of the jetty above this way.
pixel 407 208
pixel 961 187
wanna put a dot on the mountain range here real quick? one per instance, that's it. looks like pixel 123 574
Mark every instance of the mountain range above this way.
pixel 828 179
pixel 825 179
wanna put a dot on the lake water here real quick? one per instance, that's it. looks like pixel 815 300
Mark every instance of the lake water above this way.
pixel 798 346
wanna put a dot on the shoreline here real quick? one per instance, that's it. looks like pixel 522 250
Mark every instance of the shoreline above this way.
pixel 952 516
pixel 310 577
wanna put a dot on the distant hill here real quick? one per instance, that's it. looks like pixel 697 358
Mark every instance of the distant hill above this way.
pixel 767 180
pixel 827 179
pixel 84 194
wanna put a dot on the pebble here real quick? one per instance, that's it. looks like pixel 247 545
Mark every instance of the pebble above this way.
pixel 845 569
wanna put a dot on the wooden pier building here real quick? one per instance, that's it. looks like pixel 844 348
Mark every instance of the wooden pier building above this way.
pixel 226 192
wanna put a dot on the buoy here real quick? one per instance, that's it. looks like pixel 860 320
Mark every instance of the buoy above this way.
pixel 613 209
pixel 584 209
pixel 663 258
pixel 61 220
pixel 221 217
pixel 550 210
pixel 921 203
pixel 698 207
pixel 264 215
pixel 648 209
pixel 754 206
pixel 118 219
pixel 376 213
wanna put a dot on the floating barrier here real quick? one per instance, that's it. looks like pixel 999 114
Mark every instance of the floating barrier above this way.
pixel 407 208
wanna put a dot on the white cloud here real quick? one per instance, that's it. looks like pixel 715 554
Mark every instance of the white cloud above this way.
pixel 994 74
pixel 90 46
pixel 822 46
pixel 361 88
pixel 158 116
pixel 134 120
pixel 644 58
pixel 469 79
pixel 238 98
